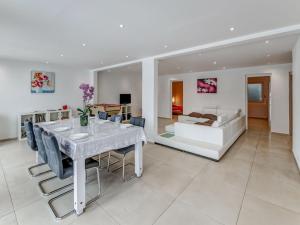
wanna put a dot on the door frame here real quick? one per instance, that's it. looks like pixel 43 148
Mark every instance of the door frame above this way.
pixel 270 95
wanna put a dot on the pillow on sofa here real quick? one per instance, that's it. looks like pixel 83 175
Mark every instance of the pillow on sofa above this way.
pixel 195 114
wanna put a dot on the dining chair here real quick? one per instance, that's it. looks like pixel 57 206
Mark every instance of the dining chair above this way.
pixel 43 155
pixel 31 140
pixel 136 121
pixel 116 118
pixel 64 169
pixel 102 115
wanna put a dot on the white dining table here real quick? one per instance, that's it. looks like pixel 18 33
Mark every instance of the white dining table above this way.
pixel 102 136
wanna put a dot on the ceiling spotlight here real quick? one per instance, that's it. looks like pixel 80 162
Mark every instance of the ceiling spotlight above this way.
pixel 127 56
pixel 121 25
pixel 215 62
pixel 83 44
pixel 267 41
pixel 268 55
pixel 46 62
pixel 165 46
pixel 232 29
pixel 61 55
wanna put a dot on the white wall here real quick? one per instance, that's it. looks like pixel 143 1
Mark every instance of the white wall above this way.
pixel 16 98
pixel 112 84
pixel 231 92
pixel 296 102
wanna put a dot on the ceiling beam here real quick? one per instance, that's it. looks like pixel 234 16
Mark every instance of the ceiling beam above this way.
pixel 279 32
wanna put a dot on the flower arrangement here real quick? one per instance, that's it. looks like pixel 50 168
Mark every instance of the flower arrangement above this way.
pixel 88 94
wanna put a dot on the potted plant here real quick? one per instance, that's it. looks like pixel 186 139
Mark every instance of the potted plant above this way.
pixel 88 93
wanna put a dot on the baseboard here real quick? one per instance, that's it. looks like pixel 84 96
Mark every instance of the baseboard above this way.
pixel 297 159
pixel 8 139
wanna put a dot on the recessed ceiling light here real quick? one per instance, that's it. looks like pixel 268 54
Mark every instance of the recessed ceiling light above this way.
pixel 267 41
pixel 165 46
pixel 121 25
pixel 101 62
pixel 231 28
pixel 46 62
pixel 83 44
pixel 215 62
pixel 127 56
pixel 268 55
pixel 61 55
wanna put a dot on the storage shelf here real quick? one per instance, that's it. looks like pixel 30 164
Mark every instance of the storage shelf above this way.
pixel 41 116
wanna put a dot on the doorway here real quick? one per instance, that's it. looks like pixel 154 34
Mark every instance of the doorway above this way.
pixel 259 94
pixel 177 98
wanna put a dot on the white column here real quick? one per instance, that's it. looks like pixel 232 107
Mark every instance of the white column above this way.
pixel 149 97
pixel 296 102
pixel 94 82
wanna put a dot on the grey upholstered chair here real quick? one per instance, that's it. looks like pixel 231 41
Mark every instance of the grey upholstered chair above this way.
pixel 31 140
pixel 63 168
pixel 102 115
pixel 43 155
pixel 116 118
pixel 136 121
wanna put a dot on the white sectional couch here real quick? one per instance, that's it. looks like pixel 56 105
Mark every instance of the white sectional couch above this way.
pixel 209 141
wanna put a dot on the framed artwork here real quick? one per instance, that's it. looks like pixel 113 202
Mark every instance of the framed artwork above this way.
pixel 42 82
pixel 207 85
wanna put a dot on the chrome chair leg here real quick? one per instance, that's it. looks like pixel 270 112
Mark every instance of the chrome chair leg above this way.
pixel 45 193
pixel 55 213
pixel 123 169
pixel 38 174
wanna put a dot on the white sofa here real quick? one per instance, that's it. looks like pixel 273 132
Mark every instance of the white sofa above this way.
pixel 211 142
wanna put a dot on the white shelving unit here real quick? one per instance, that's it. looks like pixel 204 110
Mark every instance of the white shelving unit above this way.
pixel 126 112
pixel 41 116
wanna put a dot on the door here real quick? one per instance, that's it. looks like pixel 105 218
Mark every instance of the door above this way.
pixel 259 97
pixel 177 97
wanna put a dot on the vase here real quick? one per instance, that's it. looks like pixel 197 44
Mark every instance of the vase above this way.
pixel 84 120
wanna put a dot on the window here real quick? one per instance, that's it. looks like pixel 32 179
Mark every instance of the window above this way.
pixel 255 92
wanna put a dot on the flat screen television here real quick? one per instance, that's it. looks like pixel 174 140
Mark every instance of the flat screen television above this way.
pixel 125 99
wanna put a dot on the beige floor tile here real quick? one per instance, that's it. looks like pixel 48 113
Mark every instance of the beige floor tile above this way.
pixel 137 203
pixel 277 160
pixel 169 179
pixel 5 201
pixel 9 219
pixel 24 194
pixel 221 201
pixel 259 212
pixel 94 215
pixel 280 187
pixel 38 213
pixel 180 213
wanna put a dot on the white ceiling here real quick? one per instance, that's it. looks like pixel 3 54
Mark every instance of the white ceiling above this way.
pixel 277 51
pixel 42 30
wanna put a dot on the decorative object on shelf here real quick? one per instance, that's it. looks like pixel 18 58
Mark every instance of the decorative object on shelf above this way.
pixel 88 94
pixel 42 82
pixel 207 85
pixel 65 107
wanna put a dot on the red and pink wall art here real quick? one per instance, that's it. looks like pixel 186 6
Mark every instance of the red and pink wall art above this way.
pixel 207 85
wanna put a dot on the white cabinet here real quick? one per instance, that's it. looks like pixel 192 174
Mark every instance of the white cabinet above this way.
pixel 41 116
pixel 126 112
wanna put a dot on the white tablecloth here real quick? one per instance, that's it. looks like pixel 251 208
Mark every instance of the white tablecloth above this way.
pixel 103 136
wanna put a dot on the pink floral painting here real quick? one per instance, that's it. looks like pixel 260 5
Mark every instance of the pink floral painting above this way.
pixel 207 85
pixel 42 82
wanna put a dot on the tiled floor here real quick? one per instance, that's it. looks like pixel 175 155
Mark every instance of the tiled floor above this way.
pixel 257 182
